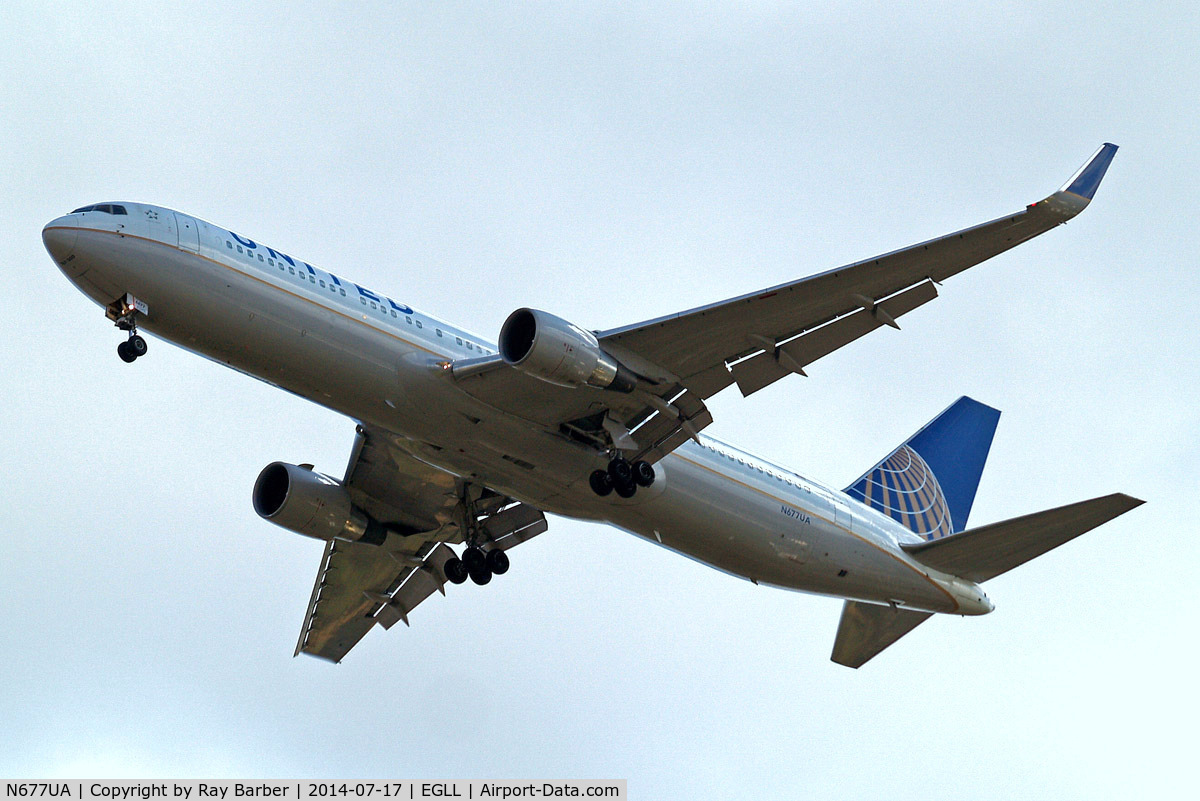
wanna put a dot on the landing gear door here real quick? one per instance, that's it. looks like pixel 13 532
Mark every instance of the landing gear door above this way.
pixel 189 233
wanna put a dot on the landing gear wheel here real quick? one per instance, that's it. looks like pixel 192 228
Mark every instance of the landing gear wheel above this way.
pixel 627 489
pixel 125 353
pixel 136 345
pixel 474 559
pixel 620 471
pixel 455 570
pixel 497 561
pixel 601 481
pixel 643 473
pixel 480 575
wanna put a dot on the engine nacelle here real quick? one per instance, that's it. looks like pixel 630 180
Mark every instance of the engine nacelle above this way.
pixel 550 348
pixel 312 504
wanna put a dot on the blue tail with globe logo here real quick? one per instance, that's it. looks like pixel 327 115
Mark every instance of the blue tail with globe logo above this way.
pixel 928 484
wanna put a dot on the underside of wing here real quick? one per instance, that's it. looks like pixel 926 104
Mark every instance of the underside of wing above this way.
pixel 422 508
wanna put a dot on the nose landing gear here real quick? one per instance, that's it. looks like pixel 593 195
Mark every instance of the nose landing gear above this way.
pixel 622 476
pixel 132 348
pixel 123 312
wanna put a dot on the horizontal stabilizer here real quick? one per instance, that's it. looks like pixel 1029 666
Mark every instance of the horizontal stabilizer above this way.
pixel 983 553
pixel 866 629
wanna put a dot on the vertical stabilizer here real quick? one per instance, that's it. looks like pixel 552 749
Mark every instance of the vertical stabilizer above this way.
pixel 928 484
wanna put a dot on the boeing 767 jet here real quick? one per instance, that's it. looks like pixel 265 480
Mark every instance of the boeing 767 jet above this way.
pixel 462 445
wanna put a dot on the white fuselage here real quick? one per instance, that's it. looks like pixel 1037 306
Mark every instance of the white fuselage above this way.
pixel 379 361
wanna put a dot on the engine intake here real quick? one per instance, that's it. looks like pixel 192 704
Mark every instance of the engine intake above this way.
pixel 312 504
pixel 558 352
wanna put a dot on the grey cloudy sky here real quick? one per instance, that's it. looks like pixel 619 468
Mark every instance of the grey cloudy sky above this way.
pixel 609 163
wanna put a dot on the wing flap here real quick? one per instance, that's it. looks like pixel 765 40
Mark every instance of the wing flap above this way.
pixel 795 354
pixel 340 611
pixel 425 580
pixel 983 553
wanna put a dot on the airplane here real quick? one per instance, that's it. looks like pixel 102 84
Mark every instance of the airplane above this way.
pixel 463 442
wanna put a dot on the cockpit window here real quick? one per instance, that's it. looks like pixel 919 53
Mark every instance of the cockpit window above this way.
pixel 107 208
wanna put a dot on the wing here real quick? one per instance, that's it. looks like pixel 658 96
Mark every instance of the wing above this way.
pixel 791 325
pixel 359 585
pixel 756 339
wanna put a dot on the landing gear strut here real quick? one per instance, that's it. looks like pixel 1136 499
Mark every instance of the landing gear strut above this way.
pixel 622 476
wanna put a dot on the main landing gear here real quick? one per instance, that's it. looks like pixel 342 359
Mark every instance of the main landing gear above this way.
pixel 621 476
pixel 476 564
pixel 123 312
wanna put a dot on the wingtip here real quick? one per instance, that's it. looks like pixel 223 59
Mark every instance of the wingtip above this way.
pixel 1085 182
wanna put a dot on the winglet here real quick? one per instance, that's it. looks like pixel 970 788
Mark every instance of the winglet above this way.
pixel 1085 182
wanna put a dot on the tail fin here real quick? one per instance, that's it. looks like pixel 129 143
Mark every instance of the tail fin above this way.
pixel 928 484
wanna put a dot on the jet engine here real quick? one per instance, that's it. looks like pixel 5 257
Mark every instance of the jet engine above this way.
pixel 312 504
pixel 558 352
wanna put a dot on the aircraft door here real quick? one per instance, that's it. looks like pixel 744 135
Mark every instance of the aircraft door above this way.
pixel 189 232
pixel 842 517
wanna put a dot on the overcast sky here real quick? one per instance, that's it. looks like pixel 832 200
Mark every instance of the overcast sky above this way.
pixel 608 163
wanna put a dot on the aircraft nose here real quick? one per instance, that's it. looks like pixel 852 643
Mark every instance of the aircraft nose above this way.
pixel 59 238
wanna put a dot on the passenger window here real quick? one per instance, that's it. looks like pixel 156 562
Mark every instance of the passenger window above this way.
pixel 393 312
pixel 239 248
pixel 322 283
pixel 260 257
pixel 419 324
pixel 228 244
pixel 372 304
pixel 271 262
pixel 312 280
pixel 439 332
pixel 469 346
pixel 292 270
pixel 408 320
pixel 458 340
pixel 343 292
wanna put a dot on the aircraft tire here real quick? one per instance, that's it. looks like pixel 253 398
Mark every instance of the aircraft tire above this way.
pixel 497 561
pixel 480 575
pixel 137 346
pixel 474 559
pixel 620 471
pixel 455 570
pixel 601 481
pixel 125 353
pixel 643 473
pixel 626 489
